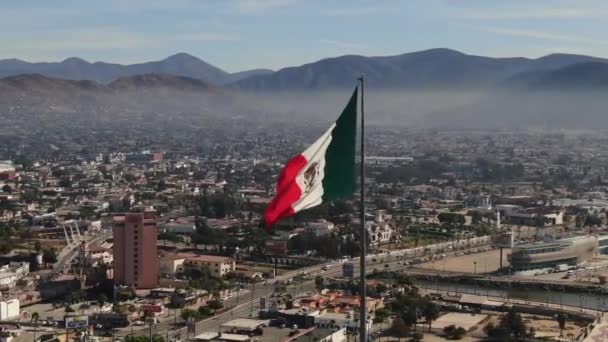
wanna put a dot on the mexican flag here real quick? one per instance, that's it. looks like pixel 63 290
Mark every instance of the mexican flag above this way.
pixel 325 171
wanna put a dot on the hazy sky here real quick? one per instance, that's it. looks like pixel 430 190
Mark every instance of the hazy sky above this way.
pixel 244 34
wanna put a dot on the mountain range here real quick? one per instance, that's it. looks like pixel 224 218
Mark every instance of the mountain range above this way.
pixel 181 64
pixel 433 86
pixel 435 68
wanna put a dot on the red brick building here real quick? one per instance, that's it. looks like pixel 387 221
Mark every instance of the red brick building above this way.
pixel 135 252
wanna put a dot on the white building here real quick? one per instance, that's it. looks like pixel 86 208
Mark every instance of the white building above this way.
pixel 320 227
pixel 11 273
pixel 99 254
pixel 171 264
pixel 9 309
pixel 380 231
pixel 341 320
pixel 219 266
pixel 182 225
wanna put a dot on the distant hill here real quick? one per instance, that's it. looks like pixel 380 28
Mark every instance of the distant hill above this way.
pixel 153 80
pixel 181 64
pixel 436 68
pixel 32 100
pixel 583 76
pixel 40 83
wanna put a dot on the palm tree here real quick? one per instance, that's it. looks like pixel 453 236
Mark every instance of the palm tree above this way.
pixel 101 300
pixel 430 312
pixel 34 319
pixel 561 321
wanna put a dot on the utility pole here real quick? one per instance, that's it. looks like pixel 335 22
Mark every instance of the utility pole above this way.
pixel 252 291
pixel 150 330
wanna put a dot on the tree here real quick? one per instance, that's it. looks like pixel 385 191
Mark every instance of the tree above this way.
pixel 7 188
pixel 430 311
pixel 215 304
pixel 6 246
pixel 453 332
pixel 29 196
pixel 132 308
pixel 204 311
pixel 188 314
pixel 49 256
pixel 203 279
pixel 155 338
pixel 319 283
pixel 561 321
pixel 514 323
pixel 380 315
pixel 410 315
pixel 37 246
pixel 34 319
pixel 511 327
pixel 116 308
pixel 399 328
pixel 68 309
pixel 451 219
pixel 101 300
pixel 381 288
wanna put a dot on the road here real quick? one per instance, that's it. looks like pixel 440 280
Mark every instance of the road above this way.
pixel 248 304
pixel 70 251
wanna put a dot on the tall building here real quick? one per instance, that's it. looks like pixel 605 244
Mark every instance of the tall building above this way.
pixel 135 255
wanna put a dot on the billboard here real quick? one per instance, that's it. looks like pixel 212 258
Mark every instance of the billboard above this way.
pixel 503 240
pixel 348 270
pixel 76 322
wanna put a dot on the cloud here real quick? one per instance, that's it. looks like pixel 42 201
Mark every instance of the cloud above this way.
pixel 34 17
pixel 343 45
pixel 44 45
pixel 207 37
pixel 247 6
pixel 537 13
pixel 351 11
pixel 101 38
pixel 544 35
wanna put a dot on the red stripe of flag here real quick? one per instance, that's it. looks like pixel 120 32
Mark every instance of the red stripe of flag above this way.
pixel 288 192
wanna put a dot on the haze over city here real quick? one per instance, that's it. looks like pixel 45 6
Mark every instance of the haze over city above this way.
pixel 303 170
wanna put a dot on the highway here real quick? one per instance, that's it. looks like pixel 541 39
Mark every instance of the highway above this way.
pixel 248 304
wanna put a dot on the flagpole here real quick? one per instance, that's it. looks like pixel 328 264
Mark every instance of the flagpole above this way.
pixel 363 238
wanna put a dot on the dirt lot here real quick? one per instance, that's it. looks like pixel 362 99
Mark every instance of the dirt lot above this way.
pixel 486 262
pixel 543 326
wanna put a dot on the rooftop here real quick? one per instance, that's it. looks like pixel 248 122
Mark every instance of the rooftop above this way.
pixel 245 324
pixel 210 258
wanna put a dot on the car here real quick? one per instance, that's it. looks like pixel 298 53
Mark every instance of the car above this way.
pixel 326 268
pixel 139 323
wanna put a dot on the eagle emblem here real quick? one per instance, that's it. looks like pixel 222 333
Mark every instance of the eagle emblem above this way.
pixel 310 175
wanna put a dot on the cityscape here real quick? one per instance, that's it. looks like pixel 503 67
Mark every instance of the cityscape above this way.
pixel 430 195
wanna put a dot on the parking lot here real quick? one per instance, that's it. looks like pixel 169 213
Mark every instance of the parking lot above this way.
pixel 482 262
